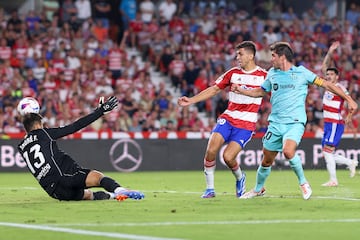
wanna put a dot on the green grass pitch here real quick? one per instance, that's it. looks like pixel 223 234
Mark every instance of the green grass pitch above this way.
pixel 173 209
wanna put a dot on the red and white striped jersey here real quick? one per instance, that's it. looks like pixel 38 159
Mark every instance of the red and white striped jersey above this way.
pixel 21 52
pixel 177 67
pixel 69 74
pixel 124 82
pixel 59 64
pixel 5 52
pixel 333 106
pixel 242 111
pixel 49 86
pixel 116 57
pixel 52 71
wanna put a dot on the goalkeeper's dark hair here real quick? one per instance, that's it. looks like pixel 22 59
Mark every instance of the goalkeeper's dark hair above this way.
pixel 283 49
pixel 30 119
pixel 248 46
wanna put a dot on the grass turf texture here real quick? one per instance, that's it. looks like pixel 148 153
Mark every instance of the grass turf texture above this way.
pixel 173 209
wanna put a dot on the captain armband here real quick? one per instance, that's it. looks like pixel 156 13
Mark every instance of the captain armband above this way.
pixel 318 81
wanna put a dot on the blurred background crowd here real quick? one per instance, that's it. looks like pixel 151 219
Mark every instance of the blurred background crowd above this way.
pixel 68 53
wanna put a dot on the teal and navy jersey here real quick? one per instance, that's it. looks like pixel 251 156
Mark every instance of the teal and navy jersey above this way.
pixel 288 93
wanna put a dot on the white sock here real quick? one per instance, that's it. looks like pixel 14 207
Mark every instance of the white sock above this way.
pixel 340 160
pixel 209 177
pixel 330 165
pixel 119 189
pixel 112 195
pixel 237 172
pixel 209 171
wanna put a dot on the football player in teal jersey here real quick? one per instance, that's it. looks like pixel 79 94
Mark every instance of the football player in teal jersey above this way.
pixel 288 85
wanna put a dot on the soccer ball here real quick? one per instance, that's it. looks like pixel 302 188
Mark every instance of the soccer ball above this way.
pixel 28 105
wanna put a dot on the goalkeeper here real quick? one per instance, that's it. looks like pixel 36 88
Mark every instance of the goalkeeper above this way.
pixel 57 172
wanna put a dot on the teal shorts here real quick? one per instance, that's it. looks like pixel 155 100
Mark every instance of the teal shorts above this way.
pixel 276 135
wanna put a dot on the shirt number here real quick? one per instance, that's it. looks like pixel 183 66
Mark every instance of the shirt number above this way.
pixel 38 158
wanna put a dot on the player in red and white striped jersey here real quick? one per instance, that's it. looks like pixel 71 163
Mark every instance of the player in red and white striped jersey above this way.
pixel 236 125
pixel 21 48
pixel 116 57
pixel 333 106
pixel 5 50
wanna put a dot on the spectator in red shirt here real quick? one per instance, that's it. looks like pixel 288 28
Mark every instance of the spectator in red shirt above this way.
pixel 176 24
pixel 14 60
pixel 5 50
pixel 135 27
pixel 21 47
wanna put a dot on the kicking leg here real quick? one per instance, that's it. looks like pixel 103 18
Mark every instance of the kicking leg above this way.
pixel 351 163
pixel 97 179
pixel 229 155
pixel 264 169
pixel 261 175
pixel 296 165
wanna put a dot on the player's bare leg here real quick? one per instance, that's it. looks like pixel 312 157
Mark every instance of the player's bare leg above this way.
pixel 350 163
pixel 97 179
pixel 229 155
pixel 93 179
pixel 296 165
pixel 262 173
pixel 88 195
pixel 214 144
pixel 264 169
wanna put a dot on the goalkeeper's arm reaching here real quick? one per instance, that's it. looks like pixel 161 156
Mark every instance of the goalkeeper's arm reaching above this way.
pixel 103 108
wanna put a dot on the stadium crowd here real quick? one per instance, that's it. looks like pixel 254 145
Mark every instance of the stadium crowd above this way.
pixel 68 55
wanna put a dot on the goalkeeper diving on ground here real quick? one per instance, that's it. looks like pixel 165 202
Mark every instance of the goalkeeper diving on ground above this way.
pixel 56 171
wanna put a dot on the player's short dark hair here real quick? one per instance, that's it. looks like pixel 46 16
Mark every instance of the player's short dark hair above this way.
pixel 334 69
pixel 30 119
pixel 248 46
pixel 283 49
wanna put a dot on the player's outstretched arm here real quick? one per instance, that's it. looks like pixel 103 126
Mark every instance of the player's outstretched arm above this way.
pixel 352 105
pixel 203 95
pixel 184 101
pixel 105 107
pixel 254 92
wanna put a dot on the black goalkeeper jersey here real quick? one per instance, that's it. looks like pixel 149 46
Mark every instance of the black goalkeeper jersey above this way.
pixel 43 157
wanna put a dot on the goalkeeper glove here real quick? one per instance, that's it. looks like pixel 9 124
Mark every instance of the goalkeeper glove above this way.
pixel 101 101
pixel 109 104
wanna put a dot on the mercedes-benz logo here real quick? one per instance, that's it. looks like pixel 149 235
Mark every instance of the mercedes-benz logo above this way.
pixel 125 155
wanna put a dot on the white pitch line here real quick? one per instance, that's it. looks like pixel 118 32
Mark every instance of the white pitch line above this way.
pixel 246 222
pixel 26 188
pixel 316 197
pixel 265 196
pixel 221 193
pixel 83 232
